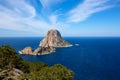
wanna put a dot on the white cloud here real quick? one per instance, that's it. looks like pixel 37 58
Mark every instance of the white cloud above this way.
pixel 21 16
pixel 86 9
pixel 53 19
pixel 10 18
pixel 21 8
pixel 49 3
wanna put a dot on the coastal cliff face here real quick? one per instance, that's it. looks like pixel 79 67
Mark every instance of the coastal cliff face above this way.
pixel 53 39
pixel 48 45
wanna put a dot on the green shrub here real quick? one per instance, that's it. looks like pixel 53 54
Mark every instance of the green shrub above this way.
pixel 32 70
pixel 56 72
pixel 8 57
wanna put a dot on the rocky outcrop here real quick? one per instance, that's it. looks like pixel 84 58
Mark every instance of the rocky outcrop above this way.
pixel 48 45
pixel 27 50
pixel 15 73
pixel 53 39
pixel 12 74
pixel 44 50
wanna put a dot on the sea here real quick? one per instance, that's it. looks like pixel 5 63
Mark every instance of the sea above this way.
pixel 95 58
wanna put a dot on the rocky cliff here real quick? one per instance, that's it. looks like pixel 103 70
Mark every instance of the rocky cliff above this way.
pixel 26 50
pixel 50 42
pixel 53 39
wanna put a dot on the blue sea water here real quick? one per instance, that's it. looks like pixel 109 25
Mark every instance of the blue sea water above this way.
pixel 97 58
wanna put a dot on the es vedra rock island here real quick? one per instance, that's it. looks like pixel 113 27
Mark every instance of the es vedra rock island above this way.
pixel 48 44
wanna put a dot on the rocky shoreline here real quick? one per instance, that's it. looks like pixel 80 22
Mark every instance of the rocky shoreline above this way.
pixel 49 43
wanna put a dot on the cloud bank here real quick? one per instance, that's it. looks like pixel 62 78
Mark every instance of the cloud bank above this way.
pixel 19 15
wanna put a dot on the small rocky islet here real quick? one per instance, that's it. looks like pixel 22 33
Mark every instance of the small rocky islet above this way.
pixel 48 44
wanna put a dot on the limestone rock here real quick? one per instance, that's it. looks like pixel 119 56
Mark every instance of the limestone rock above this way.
pixel 53 39
pixel 26 50
pixel 44 50
pixel 48 45
pixel 15 73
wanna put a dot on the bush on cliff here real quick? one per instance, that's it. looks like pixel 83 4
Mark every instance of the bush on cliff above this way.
pixel 31 70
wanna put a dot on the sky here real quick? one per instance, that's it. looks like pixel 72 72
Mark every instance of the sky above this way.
pixel 73 18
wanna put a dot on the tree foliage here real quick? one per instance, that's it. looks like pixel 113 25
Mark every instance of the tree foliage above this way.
pixel 32 70
pixel 8 57
pixel 56 72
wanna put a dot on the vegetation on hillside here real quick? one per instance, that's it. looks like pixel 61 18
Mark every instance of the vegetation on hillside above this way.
pixel 12 65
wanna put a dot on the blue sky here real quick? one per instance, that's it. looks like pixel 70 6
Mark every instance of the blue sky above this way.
pixel 71 17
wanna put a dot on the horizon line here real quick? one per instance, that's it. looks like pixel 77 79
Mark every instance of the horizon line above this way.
pixel 44 36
